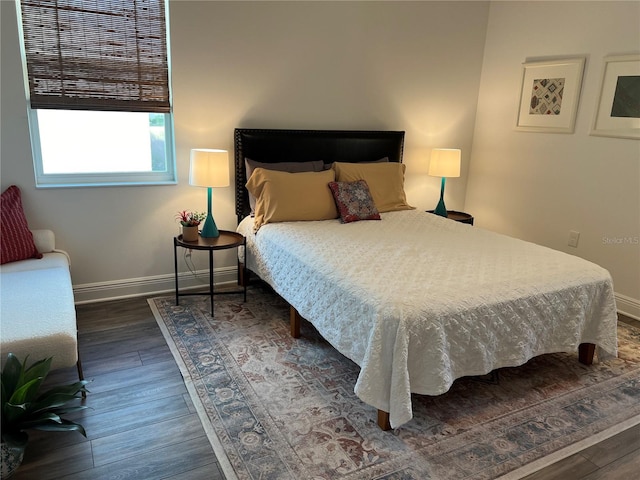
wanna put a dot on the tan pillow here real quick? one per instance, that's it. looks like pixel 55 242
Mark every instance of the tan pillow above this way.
pixel 293 167
pixel 287 197
pixel 385 180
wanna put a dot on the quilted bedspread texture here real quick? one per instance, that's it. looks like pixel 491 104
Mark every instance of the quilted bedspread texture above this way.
pixel 417 300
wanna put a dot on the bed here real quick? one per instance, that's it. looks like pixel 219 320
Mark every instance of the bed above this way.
pixel 416 300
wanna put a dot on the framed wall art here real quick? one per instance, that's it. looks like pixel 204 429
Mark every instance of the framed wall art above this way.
pixel 618 110
pixel 549 95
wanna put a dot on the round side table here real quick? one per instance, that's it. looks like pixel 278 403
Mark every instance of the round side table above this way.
pixel 225 240
pixel 461 217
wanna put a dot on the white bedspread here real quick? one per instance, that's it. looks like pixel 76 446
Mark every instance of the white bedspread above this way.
pixel 417 300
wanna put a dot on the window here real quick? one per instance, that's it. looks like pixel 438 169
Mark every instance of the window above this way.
pixel 83 147
pixel 98 91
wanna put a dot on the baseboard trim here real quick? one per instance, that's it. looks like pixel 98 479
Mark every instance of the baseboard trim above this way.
pixel 153 285
pixel 628 306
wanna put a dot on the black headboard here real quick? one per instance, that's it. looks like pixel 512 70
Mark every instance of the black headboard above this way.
pixel 272 146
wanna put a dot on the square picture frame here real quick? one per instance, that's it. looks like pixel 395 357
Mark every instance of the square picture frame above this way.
pixel 549 95
pixel 617 113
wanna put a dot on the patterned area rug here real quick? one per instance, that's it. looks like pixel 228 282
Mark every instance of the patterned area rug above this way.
pixel 280 408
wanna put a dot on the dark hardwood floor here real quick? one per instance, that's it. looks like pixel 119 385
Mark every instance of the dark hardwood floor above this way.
pixel 142 424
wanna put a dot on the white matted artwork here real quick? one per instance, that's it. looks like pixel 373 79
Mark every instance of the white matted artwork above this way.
pixel 549 95
pixel 618 111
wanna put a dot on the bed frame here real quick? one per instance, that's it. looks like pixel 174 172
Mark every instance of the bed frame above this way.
pixel 353 146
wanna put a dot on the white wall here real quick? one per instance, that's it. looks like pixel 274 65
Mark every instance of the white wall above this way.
pixel 538 186
pixel 411 66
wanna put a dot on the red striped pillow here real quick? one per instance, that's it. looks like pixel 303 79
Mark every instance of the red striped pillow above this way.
pixel 16 240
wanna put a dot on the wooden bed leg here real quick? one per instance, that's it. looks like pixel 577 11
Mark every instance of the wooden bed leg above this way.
pixel 294 321
pixel 383 420
pixel 585 353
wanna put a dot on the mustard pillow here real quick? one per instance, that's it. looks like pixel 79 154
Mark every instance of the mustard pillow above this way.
pixel 385 180
pixel 286 197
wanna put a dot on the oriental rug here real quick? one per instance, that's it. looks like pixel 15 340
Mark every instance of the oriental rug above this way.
pixel 275 407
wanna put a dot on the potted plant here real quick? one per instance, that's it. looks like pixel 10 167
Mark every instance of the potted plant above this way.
pixel 24 407
pixel 190 221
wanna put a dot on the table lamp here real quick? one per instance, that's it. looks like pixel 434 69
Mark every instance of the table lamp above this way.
pixel 209 168
pixel 445 162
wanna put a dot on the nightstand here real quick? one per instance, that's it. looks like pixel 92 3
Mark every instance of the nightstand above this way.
pixel 226 240
pixel 461 217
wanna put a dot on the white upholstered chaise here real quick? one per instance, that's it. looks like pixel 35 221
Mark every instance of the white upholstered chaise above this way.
pixel 37 310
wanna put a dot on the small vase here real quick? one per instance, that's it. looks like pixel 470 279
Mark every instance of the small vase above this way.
pixel 190 234
pixel 11 459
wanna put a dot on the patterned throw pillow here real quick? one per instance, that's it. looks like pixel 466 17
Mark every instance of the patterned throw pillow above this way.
pixel 16 240
pixel 385 181
pixel 354 201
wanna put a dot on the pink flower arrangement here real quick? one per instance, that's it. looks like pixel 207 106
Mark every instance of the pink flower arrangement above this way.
pixel 190 219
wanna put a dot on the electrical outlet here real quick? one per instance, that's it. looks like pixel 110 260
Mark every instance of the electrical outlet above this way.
pixel 573 238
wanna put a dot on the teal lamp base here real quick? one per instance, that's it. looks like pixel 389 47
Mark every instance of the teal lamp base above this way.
pixel 209 229
pixel 440 208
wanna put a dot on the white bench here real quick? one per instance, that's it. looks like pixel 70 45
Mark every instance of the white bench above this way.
pixel 37 309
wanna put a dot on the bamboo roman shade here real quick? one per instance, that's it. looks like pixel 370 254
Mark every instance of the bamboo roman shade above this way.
pixel 97 54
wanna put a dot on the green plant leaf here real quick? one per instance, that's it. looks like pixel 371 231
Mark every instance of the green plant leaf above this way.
pixel 12 413
pixel 72 390
pixel 39 369
pixel 10 376
pixel 53 401
pixel 59 396
pixel 45 417
pixel 66 409
pixel 25 407
pixel 26 393
pixel 63 426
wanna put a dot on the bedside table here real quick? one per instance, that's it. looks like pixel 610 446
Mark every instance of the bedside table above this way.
pixel 227 239
pixel 461 217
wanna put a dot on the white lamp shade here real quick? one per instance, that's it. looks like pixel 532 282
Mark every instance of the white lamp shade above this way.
pixel 445 162
pixel 209 168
